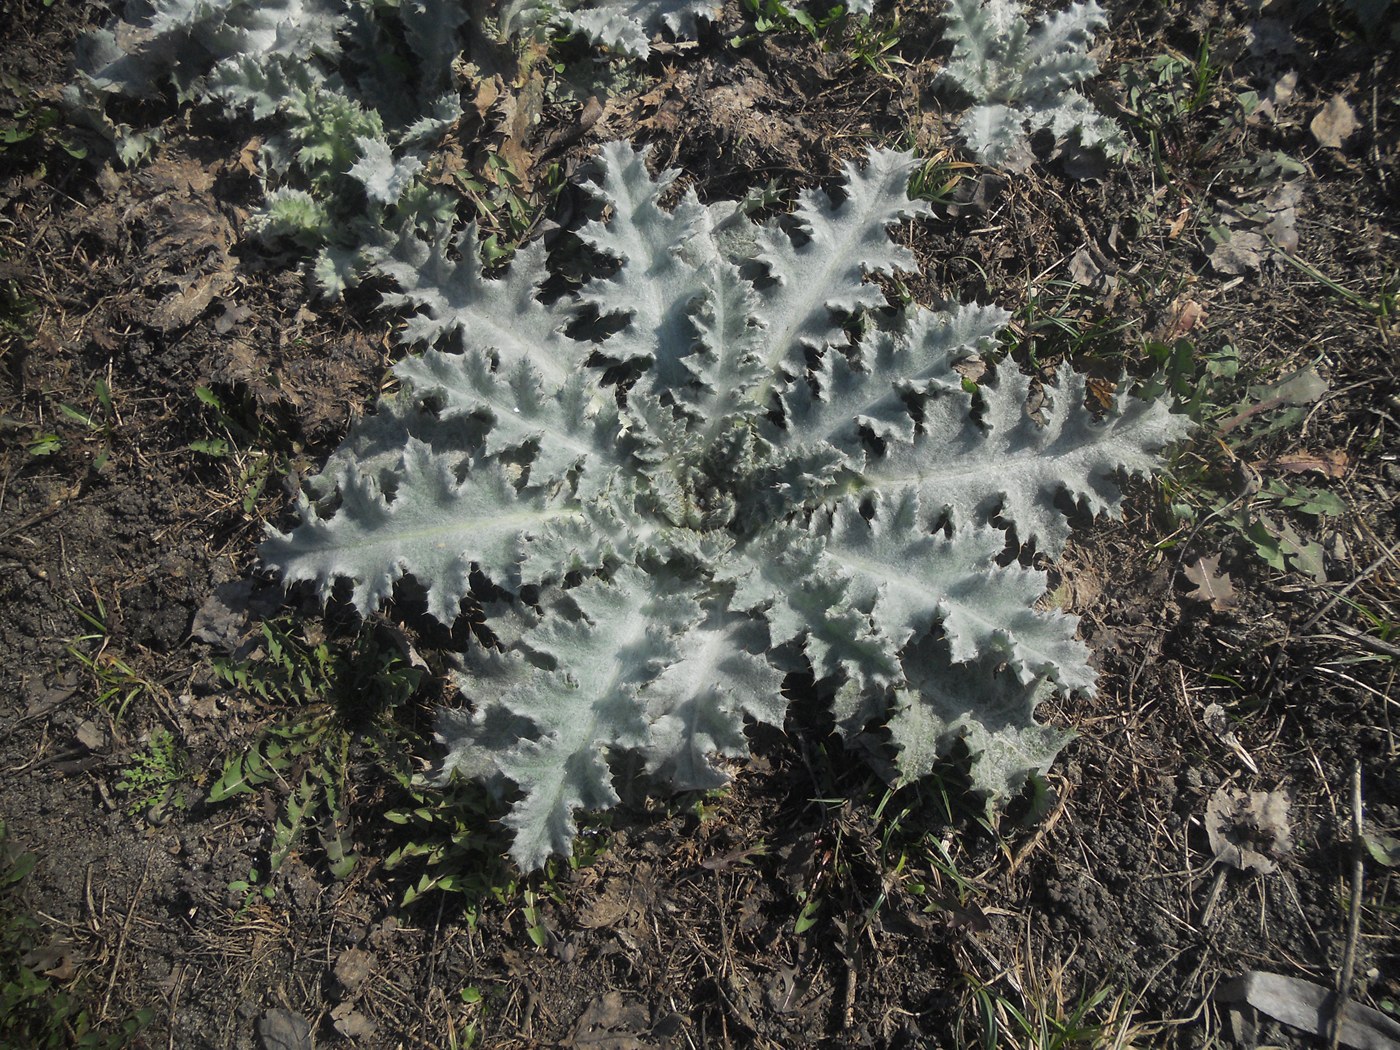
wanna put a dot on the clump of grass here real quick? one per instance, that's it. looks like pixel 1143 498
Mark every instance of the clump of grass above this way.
pixel 115 682
pixel 338 696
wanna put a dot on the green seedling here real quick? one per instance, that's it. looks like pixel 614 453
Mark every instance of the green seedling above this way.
pixel 706 805
pixel 1382 309
pixel 872 44
pixel 1379 625
pixel 116 683
pixel 252 889
pixel 34 122
pixel 153 777
pixel 776 16
pixel 449 837
pixel 214 447
pixel 339 695
pixel 1061 319
pixel 1218 485
pixel 937 177
pixel 1195 131
pixel 810 913
pixel 1039 1023
pixel 861 854
pixel 471 998
pixel 44 444
pixel 255 453
pixel 505 213
pixel 307 758
pixel 100 421
pixel 539 936
pixel 1198 379
pixel 16 309
pixel 1169 88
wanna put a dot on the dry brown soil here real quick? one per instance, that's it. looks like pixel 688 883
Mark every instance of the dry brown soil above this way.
pixel 682 928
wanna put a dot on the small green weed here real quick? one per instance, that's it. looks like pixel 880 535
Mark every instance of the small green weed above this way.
pixel 1170 88
pixel 1030 1005
pixel 38 1009
pixel 872 44
pixel 937 177
pixel 17 315
pixel 451 838
pixel 859 856
pixel 99 421
pixel 43 443
pixel 1378 623
pixel 448 837
pixel 288 670
pixel 340 694
pixel 770 16
pixel 1215 482
pixel 506 213
pixel 472 1002
pixel 1383 308
pixel 1064 319
pixel 1200 380
pixel 864 40
pixel 1043 1018
pixel 308 757
pixel 116 683
pixel 256 454
pixel 33 123
pixel 153 777
pixel 17 309
pixel 1165 96
pixel 252 889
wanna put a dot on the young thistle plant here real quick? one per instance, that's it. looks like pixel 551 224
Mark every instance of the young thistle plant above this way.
pixel 725 490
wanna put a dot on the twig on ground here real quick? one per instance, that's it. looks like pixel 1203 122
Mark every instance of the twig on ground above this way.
pixel 1212 897
pixel 1366 641
pixel 126 932
pixel 1331 602
pixel 1046 826
pixel 432 966
pixel 1344 973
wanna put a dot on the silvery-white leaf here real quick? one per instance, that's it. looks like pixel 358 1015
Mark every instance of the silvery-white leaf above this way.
pixel 792 479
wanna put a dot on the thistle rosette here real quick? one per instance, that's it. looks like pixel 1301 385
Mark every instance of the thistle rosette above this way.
pixel 1022 78
pixel 762 469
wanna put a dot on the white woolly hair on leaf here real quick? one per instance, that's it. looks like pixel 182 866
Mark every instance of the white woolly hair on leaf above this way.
pixel 770 493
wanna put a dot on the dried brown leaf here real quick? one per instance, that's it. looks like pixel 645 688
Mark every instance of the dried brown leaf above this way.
pixel 608 909
pixel 611 1023
pixel 1240 254
pixel 185 306
pixel 284 1030
pixel 1308 1006
pixel 352 1024
pixel 1212 585
pixel 1335 123
pixel 58 961
pixel 1083 270
pixel 1331 463
pixel 1184 315
pixel 487 92
pixel 1249 830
